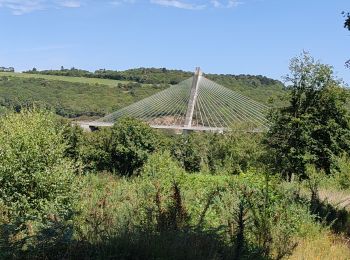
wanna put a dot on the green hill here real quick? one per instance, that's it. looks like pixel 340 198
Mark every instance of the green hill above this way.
pixel 71 79
pixel 93 94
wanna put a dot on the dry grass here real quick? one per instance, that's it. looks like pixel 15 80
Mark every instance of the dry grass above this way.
pixel 339 199
pixel 325 246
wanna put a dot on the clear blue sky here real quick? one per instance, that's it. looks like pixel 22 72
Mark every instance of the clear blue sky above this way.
pixel 221 36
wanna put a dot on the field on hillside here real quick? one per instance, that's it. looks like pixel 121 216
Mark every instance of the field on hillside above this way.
pixel 108 82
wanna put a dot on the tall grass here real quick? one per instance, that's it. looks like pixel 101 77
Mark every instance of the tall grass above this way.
pixel 322 246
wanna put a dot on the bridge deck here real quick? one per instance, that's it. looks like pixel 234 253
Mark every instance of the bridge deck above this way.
pixel 87 125
pixel 173 127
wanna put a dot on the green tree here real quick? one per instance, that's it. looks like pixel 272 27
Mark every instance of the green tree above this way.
pixel 95 150
pixel 347 26
pixel 36 179
pixel 132 141
pixel 347 20
pixel 235 151
pixel 191 151
pixel 314 127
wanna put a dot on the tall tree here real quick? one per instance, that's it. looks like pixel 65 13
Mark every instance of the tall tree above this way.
pixel 314 127
pixel 347 20
pixel 347 26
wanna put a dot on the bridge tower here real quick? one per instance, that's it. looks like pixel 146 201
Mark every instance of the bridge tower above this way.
pixel 193 97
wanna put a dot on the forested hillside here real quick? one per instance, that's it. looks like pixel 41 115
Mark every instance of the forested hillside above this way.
pixel 74 93
pixel 70 99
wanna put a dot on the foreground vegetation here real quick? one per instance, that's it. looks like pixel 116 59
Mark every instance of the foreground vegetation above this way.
pixel 132 192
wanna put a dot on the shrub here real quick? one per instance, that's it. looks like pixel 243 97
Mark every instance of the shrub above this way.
pixel 95 150
pixel 131 143
pixel 262 217
pixel 342 177
pixel 234 152
pixel 37 182
pixel 35 177
pixel 191 151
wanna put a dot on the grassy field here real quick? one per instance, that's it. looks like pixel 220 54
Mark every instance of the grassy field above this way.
pixel 108 82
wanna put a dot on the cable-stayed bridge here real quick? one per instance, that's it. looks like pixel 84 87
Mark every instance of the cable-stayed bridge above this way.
pixel 195 104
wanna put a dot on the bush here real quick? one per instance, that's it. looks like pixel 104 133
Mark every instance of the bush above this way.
pixel 234 152
pixel 37 181
pixel 261 216
pixel 132 141
pixel 35 177
pixel 95 150
pixel 342 177
pixel 191 151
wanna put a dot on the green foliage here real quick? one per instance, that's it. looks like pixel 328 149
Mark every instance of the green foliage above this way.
pixel 77 93
pixel 314 128
pixel 38 184
pixel 122 149
pixel 73 72
pixel 70 99
pixel 191 151
pixel 167 213
pixel 156 209
pixel 234 152
pixel 69 79
pixel 257 87
pixel 146 75
pixel 263 215
pixel 343 176
pixel 73 135
pixel 162 167
pixel 340 178
pixel 95 151
pixel 35 177
pixel 260 216
pixel 262 89
pixel 108 206
pixel 131 143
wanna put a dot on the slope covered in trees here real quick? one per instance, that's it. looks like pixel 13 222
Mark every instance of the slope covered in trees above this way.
pixel 108 91
pixel 70 99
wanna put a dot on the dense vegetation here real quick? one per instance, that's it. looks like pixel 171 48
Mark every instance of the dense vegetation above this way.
pixel 132 192
pixel 70 99
pixel 70 93
pixel 152 75
pixel 314 128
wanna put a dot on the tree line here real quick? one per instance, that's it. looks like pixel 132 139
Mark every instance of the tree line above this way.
pixel 153 75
